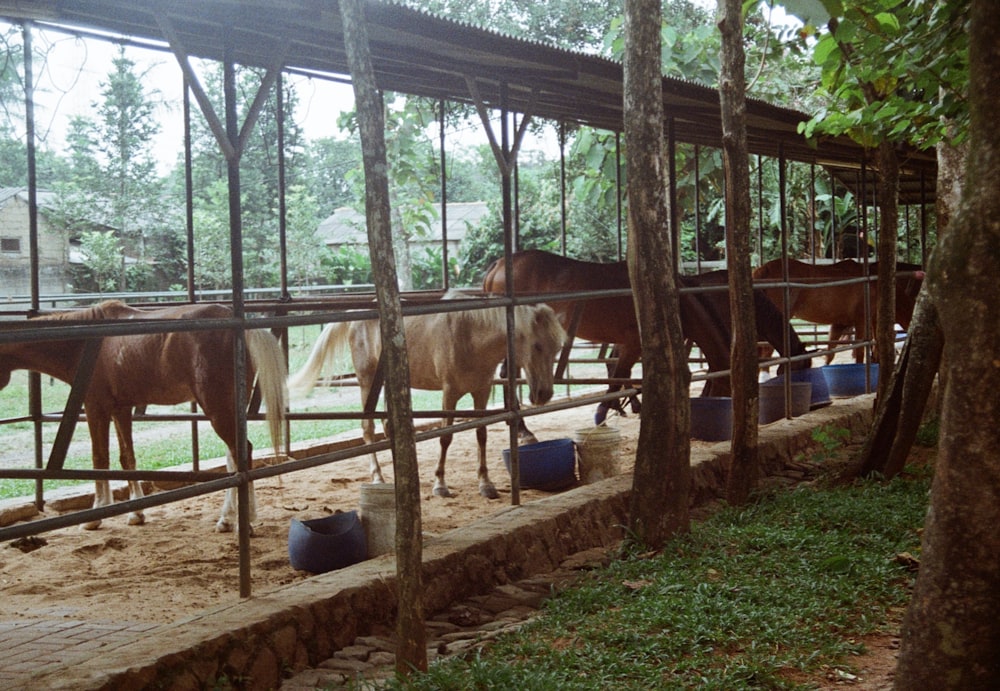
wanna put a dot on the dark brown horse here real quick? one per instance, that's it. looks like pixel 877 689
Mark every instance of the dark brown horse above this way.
pixel 158 369
pixel 840 306
pixel 705 317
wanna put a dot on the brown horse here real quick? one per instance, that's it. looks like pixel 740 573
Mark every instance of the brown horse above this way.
pixel 452 352
pixel 840 306
pixel 705 317
pixel 158 369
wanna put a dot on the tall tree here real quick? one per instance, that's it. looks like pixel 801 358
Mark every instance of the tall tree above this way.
pixel 951 633
pixel 115 182
pixel 658 508
pixel 743 468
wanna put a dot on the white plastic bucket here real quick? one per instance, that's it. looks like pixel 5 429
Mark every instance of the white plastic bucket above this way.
pixel 378 517
pixel 597 450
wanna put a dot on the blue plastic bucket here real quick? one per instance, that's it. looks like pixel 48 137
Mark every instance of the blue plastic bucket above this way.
pixel 325 544
pixel 849 379
pixel 546 465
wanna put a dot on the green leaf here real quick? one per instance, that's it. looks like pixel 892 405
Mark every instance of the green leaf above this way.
pixel 824 49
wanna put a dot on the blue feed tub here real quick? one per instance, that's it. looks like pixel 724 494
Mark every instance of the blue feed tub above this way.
pixel 849 379
pixel 814 375
pixel 712 418
pixel 325 544
pixel 772 400
pixel 547 465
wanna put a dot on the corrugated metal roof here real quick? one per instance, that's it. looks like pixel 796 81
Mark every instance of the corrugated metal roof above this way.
pixel 416 53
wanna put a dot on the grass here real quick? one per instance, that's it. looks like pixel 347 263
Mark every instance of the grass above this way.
pixel 759 597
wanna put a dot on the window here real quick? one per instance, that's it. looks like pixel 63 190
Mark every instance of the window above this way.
pixel 10 245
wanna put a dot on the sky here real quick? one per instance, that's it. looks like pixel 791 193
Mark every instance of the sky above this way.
pixel 69 77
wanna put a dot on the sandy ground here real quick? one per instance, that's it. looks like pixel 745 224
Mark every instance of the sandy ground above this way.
pixel 176 565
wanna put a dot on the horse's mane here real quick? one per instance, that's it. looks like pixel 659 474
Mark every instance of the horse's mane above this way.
pixel 496 317
pixel 109 309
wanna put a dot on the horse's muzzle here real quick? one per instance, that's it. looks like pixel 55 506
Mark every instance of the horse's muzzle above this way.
pixel 542 396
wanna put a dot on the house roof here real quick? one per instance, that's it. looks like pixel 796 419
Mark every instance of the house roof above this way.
pixel 414 52
pixel 44 198
pixel 345 226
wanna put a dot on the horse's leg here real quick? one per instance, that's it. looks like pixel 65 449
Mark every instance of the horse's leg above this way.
pixel 368 433
pixel 627 357
pixel 98 422
pixel 218 406
pixel 486 487
pixel 126 454
pixel 524 435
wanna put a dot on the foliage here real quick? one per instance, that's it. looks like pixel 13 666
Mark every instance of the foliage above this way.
pixel 102 252
pixel 753 598
pixel 347 266
pixel 574 24
pixel 893 69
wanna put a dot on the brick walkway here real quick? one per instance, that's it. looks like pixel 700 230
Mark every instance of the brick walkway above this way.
pixel 55 639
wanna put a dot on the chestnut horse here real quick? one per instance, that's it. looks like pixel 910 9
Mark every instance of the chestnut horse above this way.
pixel 158 369
pixel 840 306
pixel 705 317
pixel 452 352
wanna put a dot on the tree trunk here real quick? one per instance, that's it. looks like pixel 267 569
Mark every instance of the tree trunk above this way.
pixel 411 653
pixel 732 95
pixel 951 633
pixel 661 481
pixel 899 414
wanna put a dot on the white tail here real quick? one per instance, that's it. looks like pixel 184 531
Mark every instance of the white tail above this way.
pixel 325 351
pixel 272 375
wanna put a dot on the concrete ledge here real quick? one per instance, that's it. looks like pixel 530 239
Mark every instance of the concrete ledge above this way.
pixel 303 624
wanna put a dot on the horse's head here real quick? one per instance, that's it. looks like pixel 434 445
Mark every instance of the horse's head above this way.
pixel 540 337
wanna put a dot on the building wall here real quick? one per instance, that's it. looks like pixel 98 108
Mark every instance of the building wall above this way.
pixel 15 255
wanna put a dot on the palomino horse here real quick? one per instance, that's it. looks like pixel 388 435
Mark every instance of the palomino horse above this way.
pixel 705 317
pixel 158 369
pixel 841 306
pixel 452 352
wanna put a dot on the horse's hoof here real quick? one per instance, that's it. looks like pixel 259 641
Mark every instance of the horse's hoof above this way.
pixel 136 519
pixel 600 416
pixel 443 492
pixel 92 525
pixel 489 491
pixel 223 526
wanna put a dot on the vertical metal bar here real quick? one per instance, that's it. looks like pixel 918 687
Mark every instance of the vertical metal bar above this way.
pixel 446 282
pixel 618 193
pixel 697 208
pixel 279 93
pixel 562 188
pixel 189 229
pixel 675 231
pixel 34 378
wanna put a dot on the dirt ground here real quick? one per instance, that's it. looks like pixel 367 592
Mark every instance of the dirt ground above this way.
pixel 175 565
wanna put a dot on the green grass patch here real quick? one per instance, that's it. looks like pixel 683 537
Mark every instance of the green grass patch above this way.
pixel 753 598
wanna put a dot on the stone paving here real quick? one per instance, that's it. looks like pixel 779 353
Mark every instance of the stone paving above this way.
pixel 460 629
pixel 56 638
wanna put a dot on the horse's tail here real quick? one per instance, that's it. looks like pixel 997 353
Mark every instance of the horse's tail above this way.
pixel 272 376
pixel 329 344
